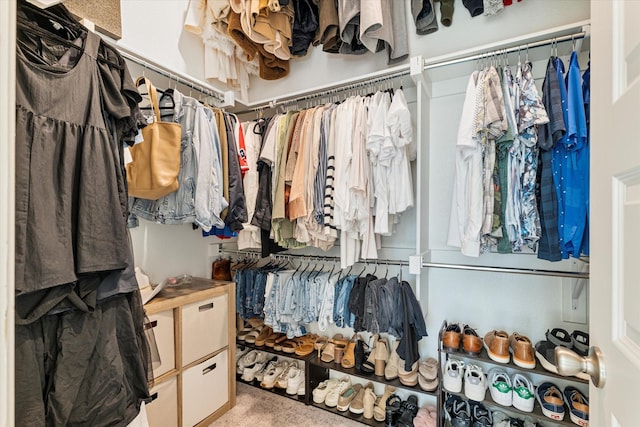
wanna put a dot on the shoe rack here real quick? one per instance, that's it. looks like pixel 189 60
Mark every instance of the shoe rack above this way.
pixel 306 398
pixel 488 402
pixel 320 370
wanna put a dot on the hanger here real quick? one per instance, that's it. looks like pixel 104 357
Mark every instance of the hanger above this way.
pixel 56 24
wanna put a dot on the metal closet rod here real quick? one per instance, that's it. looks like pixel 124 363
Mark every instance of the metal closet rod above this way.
pixel 319 257
pixel 177 77
pixel 328 92
pixel 501 51
pixel 527 271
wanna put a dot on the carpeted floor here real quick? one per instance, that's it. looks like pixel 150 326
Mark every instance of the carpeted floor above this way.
pixel 261 408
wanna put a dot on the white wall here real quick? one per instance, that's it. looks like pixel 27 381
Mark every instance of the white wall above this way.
pixel 516 303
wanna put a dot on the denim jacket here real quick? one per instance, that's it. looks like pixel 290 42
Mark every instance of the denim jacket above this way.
pixel 179 206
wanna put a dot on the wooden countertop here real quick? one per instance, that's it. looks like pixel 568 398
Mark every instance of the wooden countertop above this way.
pixel 197 290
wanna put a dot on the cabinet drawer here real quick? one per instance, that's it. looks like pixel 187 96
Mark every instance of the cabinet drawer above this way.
pixel 205 328
pixel 162 326
pixel 163 410
pixel 205 388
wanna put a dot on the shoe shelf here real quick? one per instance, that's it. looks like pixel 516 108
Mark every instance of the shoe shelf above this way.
pixel 274 390
pixel 489 403
pixel 268 349
pixel 484 357
pixel 350 415
pixel 369 376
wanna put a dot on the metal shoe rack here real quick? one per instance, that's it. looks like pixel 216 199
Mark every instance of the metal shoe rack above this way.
pixel 320 370
pixel 444 355
pixel 306 398
pixel 317 371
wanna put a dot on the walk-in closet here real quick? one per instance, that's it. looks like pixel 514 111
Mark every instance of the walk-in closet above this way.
pixel 319 212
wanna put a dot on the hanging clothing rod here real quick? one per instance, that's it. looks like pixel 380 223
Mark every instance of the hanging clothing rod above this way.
pixel 501 51
pixel 528 271
pixel 313 95
pixel 318 257
pixel 224 99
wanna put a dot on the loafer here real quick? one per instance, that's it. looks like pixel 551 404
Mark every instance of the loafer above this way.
pixel 497 345
pixel 451 337
pixel 471 342
pixel 522 351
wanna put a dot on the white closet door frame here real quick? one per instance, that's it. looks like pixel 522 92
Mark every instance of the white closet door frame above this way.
pixel 7 208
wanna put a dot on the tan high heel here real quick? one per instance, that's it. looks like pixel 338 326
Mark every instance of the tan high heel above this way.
pixel 349 358
pixel 320 343
pixel 381 356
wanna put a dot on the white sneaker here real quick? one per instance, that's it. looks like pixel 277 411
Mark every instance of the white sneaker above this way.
pixel 334 394
pixel 500 387
pixel 250 372
pixel 523 393
pixel 321 391
pixel 294 378
pixel 283 379
pixel 453 373
pixel 271 363
pixel 245 360
pixel 475 383
pixel 270 377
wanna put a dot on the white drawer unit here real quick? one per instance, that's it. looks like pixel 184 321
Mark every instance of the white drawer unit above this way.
pixel 162 326
pixel 204 389
pixel 194 326
pixel 163 410
pixel 205 326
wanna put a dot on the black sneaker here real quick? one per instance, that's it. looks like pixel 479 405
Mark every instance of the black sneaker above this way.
pixel 480 415
pixel 458 411
pixel 408 411
pixel 516 422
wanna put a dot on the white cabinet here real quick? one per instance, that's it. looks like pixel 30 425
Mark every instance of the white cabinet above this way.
pixel 162 326
pixel 163 409
pixel 203 388
pixel 204 328
pixel 193 326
